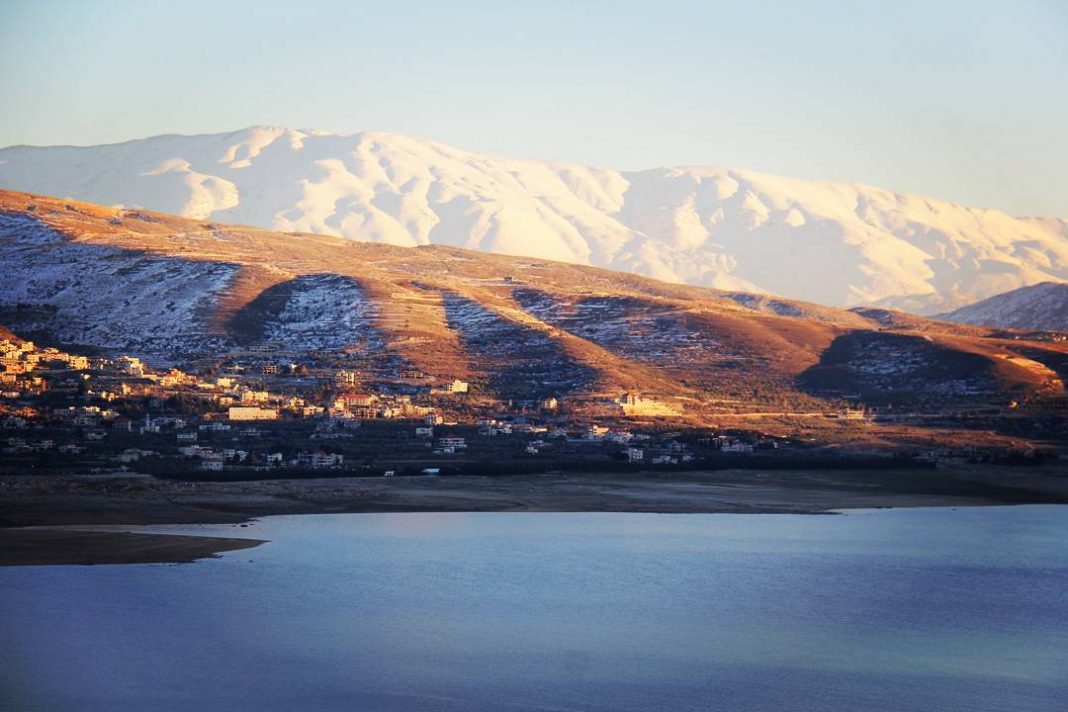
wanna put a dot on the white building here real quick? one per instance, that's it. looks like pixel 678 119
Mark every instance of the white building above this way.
pixel 737 447
pixel 252 413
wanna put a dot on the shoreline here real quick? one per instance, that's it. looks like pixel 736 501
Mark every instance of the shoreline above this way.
pixel 29 502
pixel 70 547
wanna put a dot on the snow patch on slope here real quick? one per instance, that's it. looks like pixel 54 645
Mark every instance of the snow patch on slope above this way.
pixel 130 302
pixel 323 312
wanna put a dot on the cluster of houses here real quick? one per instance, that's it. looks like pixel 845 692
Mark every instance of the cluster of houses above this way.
pixel 21 363
pixel 18 446
pixel 216 459
pixel 94 401
pixel 370 406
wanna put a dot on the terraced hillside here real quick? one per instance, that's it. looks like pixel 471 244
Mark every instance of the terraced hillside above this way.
pixel 176 290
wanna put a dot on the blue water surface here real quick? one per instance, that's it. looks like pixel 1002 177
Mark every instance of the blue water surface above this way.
pixel 895 610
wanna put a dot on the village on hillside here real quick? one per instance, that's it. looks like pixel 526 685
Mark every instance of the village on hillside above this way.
pixel 63 412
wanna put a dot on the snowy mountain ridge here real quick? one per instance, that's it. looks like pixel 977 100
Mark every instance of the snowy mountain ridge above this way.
pixel 835 243
pixel 1041 306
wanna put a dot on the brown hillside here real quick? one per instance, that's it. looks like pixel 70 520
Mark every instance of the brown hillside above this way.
pixel 181 290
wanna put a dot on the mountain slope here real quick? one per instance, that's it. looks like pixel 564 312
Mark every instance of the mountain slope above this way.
pixel 174 290
pixel 832 243
pixel 1041 306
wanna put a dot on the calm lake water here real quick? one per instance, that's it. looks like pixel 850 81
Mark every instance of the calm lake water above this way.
pixel 896 610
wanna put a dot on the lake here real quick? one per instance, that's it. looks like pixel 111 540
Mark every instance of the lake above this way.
pixel 897 610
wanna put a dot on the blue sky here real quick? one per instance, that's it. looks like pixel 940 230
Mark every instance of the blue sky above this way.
pixel 960 100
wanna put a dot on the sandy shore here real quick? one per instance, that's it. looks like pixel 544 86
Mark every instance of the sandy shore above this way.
pixel 43 547
pixel 27 501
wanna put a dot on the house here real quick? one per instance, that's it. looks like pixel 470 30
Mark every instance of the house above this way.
pixel 318 459
pixel 168 421
pixel 346 423
pixel 346 378
pixel 78 363
pixel 355 400
pixel 594 432
pixel 737 447
pixel 424 432
pixel 322 459
pixel 255 396
pixel 131 366
pixel 252 413
pixel 365 412
pixel 634 454
pixel 452 442
pixel 172 378
pixel 214 427
pixel 529 428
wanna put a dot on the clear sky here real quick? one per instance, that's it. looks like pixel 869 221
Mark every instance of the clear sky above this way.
pixel 961 100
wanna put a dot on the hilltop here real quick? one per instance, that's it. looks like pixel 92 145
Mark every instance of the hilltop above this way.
pixel 1041 306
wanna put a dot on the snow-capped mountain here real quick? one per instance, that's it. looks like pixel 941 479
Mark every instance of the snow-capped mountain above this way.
pixel 1041 306
pixel 834 243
